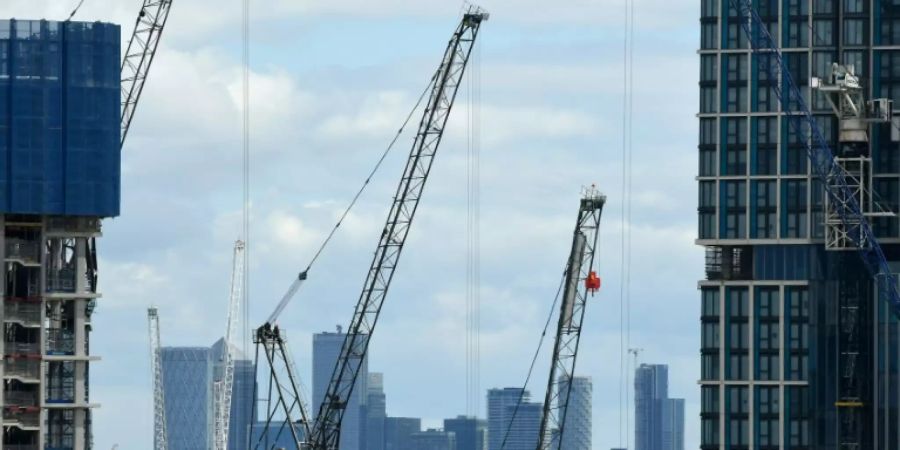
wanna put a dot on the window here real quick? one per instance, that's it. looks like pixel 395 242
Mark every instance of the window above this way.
pixel 795 215
pixel 710 366
pixel 766 146
pixel 709 38
pixel 735 146
pixel 887 191
pixel 710 299
pixel 707 147
pixel 709 9
pixel 855 32
pixel 766 209
pixel 707 210
pixel 736 92
pixel 795 155
pixel 735 209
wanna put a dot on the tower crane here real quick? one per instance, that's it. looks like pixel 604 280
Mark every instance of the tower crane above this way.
pixel 223 389
pixel 324 434
pixel 846 219
pixel 148 29
pixel 160 436
pixel 580 279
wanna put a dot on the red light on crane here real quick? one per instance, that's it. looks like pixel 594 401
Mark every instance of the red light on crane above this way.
pixel 592 282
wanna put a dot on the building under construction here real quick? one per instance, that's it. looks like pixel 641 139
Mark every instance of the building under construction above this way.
pixel 59 177
pixel 798 349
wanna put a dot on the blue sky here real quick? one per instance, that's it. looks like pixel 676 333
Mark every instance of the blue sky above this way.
pixel 331 82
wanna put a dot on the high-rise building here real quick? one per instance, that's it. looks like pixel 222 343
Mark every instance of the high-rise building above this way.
pixel 376 412
pixel 658 420
pixel 499 413
pixel 398 432
pixel 278 436
pixel 432 439
pixel 524 425
pixel 187 387
pixel 242 392
pixel 797 351
pixel 326 351
pixel 189 377
pixel 577 430
pixel 59 143
pixel 470 432
pixel 673 424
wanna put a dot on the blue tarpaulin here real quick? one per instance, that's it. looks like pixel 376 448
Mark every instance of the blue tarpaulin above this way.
pixel 59 118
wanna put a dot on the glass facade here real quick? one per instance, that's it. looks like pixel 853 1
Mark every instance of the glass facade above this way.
pixel 59 118
pixel 577 429
pixel 326 350
pixel 776 307
pixel 658 419
pixel 187 387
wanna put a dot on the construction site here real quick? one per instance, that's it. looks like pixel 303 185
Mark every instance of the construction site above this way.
pixel 584 209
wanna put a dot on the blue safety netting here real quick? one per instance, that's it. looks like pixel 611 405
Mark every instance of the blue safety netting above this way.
pixel 59 118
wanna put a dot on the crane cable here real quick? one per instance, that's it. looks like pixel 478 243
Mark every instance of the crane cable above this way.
pixel 245 150
pixel 534 359
pixel 625 273
pixel 371 175
pixel 473 235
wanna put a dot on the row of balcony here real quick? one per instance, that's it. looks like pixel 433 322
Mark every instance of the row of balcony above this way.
pixel 59 342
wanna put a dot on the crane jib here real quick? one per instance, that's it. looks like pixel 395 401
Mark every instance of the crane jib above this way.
pixel 326 432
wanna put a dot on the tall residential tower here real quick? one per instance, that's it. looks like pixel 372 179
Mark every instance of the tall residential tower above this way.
pixel 59 177
pixel 796 351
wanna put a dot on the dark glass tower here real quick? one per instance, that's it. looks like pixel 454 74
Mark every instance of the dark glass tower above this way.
pixel 790 330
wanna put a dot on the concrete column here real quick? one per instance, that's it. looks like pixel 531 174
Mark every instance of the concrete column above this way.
pixel 79 429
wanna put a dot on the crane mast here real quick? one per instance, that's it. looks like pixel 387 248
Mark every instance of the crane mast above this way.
pixel 580 280
pixel 159 404
pixel 847 224
pixel 224 387
pixel 139 56
pixel 326 433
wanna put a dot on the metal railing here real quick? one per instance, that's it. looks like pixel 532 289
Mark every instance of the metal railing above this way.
pixel 25 348
pixel 23 368
pixel 25 250
pixel 30 419
pixel 60 342
pixel 19 399
pixel 24 312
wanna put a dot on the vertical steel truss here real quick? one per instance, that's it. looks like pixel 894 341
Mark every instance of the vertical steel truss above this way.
pixel 159 403
pixel 225 387
pixel 838 230
pixel 326 433
pixel 571 317
pixel 139 56
pixel 841 196
pixel 284 400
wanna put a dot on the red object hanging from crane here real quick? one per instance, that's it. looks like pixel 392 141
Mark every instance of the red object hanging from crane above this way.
pixel 592 282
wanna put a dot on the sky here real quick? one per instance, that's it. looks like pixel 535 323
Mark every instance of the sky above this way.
pixel 330 84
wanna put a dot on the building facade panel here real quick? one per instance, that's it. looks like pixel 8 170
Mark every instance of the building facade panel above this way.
pixel 777 310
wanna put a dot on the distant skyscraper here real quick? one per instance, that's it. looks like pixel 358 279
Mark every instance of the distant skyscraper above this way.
pixel 659 420
pixel 376 412
pixel 524 427
pixel 499 402
pixel 673 424
pixel 241 397
pixel 398 432
pixel 326 350
pixel 279 436
pixel 577 431
pixel 471 433
pixel 187 387
pixel 432 439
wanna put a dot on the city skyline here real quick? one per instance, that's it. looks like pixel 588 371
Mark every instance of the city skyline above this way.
pixel 331 83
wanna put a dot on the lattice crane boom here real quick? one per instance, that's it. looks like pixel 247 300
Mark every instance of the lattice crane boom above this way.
pixel 225 386
pixel 821 157
pixel 326 433
pixel 580 280
pixel 142 46
pixel 160 436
